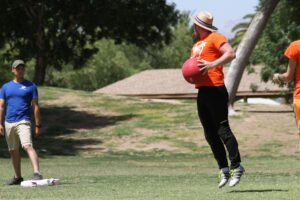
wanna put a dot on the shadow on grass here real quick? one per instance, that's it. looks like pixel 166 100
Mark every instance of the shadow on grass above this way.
pixel 61 121
pixel 262 190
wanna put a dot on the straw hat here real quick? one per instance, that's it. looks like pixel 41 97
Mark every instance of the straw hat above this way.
pixel 205 20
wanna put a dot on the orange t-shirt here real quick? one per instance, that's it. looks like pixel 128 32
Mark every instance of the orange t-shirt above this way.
pixel 208 49
pixel 293 53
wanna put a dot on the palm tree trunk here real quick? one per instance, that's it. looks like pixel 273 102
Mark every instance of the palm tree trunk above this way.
pixel 245 48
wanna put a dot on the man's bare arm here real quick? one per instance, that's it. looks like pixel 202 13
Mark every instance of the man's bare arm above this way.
pixel 37 116
pixel 2 107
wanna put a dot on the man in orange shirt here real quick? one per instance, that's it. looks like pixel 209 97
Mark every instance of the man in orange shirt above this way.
pixel 293 54
pixel 213 51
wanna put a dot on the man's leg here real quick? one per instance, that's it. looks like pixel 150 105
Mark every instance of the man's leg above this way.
pixel 33 157
pixel 13 144
pixel 211 135
pixel 297 116
pixel 16 161
pixel 24 131
pixel 298 149
pixel 220 113
pixel 210 129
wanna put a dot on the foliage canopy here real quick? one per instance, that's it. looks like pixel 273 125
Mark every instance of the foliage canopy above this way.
pixel 283 27
pixel 116 61
pixel 57 32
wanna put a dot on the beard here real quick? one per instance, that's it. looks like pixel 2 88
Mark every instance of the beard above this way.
pixel 196 35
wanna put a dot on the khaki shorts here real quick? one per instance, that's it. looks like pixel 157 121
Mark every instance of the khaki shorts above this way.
pixel 17 132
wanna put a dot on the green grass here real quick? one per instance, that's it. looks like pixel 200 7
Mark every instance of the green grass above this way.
pixel 122 131
pixel 271 146
pixel 83 132
pixel 156 176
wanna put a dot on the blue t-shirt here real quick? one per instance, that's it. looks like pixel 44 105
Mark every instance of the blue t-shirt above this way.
pixel 18 97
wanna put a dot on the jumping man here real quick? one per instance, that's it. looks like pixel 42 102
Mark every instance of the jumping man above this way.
pixel 213 51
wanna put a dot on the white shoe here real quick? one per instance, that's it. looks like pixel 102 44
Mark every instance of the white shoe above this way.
pixel 236 175
pixel 224 176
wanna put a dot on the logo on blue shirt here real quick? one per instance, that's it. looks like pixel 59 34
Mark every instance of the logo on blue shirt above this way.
pixel 23 88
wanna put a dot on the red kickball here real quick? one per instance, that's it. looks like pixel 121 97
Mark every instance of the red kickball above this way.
pixel 191 72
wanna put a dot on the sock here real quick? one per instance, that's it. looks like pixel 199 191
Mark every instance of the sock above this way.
pixel 225 170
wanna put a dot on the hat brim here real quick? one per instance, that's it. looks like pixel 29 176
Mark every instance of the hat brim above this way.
pixel 16 63
pixel 19 65
pixel 211 28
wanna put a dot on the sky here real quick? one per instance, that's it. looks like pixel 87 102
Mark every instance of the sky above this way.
pixel 226 13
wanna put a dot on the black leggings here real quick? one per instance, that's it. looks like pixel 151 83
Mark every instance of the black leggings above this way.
pixel 212 105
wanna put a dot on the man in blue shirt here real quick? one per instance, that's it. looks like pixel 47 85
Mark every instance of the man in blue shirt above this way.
pixel 17 98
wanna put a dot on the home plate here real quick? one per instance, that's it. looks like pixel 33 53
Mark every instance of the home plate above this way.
pixel 43 182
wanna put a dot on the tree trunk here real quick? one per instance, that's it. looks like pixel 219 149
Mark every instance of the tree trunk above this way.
pixel 39 70
pixel 41 61
pixel 245 48
pixel 41 58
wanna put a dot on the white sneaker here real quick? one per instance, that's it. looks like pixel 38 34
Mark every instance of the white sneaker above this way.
pixel 236 175
pixel 224 176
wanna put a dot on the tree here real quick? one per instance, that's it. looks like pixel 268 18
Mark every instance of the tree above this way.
pixel 240 30
pixel 111 63
pixel 281 30
pixel 246 46
pixel 173 54
pixel 57 32
pixel 116 61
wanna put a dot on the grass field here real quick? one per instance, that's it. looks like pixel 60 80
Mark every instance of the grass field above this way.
pixel 157 177
pixel 104 147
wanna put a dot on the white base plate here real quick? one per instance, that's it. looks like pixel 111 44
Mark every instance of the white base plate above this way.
pixel 43 182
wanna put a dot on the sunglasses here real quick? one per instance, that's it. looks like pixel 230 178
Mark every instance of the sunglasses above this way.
pixel 20 67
